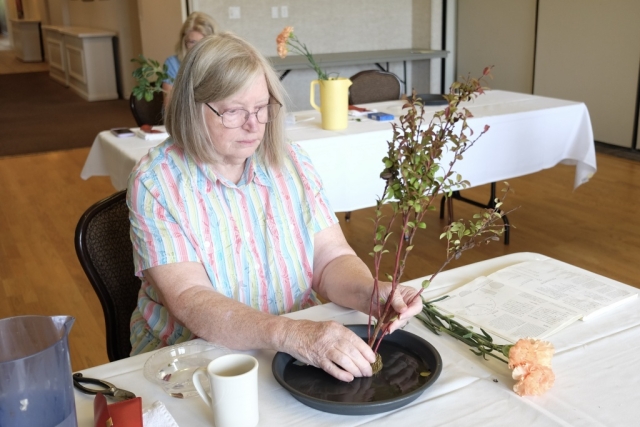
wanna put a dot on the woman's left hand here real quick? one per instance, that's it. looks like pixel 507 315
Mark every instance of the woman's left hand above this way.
pixel 404 302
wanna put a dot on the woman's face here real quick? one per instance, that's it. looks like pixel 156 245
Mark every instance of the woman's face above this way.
pixel 233 146
pixel 191 38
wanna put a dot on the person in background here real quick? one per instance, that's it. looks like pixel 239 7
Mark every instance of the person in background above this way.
pixel 197 26
pixel 231 226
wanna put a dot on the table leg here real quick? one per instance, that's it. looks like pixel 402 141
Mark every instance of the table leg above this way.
pixel 284 74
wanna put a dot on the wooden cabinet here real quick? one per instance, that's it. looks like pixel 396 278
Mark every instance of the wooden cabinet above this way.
pixel 82 58
pixel 54 48
pixel 26 40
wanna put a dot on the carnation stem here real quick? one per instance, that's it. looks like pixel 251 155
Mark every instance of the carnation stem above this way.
pixel 297 46
pixel 481 344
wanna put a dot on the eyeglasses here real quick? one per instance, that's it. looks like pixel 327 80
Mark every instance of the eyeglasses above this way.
pixel 237 117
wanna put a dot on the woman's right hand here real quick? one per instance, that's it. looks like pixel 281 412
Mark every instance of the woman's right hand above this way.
pixel 330 346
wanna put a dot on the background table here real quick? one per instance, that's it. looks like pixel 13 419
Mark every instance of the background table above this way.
pixel 528 133
pixel 341 59
pixel 595 364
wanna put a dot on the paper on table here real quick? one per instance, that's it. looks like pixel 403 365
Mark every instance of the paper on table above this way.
pixel 587 292
pixel 157 415
pixel 534 299
pixel 506 311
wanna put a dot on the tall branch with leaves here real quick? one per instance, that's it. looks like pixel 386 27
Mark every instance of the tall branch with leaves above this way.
pixel 418 168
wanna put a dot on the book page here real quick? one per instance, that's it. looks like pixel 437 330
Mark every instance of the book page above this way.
pixel 586 292
pixel 507 311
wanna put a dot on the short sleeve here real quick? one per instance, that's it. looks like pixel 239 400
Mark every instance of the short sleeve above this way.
pixel 173 65
pixel 157 238
pixel 322 213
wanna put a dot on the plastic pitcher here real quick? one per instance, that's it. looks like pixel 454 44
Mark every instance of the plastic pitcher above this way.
pixel 36 387
pixel 334 102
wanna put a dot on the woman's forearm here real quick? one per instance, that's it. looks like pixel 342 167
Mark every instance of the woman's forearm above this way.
pixel 186 292
pixel 347 281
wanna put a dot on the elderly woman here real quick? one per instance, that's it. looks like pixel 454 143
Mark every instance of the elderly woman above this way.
pixel 197 26
pixel 231 226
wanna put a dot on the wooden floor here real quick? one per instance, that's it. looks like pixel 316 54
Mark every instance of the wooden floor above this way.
pixel 10 64
pixel 42 197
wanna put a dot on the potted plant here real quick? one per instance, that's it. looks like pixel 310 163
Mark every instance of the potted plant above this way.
pixel 149 77
pixel 147 97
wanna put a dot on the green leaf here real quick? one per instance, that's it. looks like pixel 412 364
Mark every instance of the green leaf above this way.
pixel 377 248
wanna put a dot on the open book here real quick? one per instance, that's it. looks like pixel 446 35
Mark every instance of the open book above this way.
pixel 534 299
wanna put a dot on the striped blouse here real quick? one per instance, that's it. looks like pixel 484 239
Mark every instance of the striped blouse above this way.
pixel 255 239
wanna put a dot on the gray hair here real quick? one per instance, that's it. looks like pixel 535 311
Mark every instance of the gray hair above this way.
pixel 215 69
pixel 197 21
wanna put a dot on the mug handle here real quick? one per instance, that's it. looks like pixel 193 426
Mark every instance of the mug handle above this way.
pixel 199 373
pixel 312 94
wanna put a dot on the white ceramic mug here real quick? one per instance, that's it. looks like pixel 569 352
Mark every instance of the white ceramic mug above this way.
pixel 234 390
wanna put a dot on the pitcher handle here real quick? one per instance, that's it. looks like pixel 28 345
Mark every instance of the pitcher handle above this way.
pixel 312 94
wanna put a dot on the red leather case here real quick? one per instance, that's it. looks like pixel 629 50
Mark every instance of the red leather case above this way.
pixel 127 413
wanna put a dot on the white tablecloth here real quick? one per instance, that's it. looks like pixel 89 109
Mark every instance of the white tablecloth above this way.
pixel 596 366
pixel 528 134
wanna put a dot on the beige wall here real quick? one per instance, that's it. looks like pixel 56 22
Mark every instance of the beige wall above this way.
pixel 325 26
pixel 592 54
pixel 151 27
pixel 120 16
pixel 499 33
pixel 421 37
pixel 160 23
pixel 589 53
pixel 330 26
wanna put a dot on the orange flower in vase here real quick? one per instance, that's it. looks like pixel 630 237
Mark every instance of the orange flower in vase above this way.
pixel 287 39
pixel 334 91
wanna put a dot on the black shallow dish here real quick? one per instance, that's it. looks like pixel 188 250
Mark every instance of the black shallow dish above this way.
pixel 432 99
pixel 400 382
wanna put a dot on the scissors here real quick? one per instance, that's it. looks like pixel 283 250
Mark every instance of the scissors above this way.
pixel 106 389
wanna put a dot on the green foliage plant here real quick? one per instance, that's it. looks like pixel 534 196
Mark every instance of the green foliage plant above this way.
pixel 149 77
pixel 418 168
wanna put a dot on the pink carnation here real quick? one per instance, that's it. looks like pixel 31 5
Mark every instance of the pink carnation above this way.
pixel 531 351
pixel 533 380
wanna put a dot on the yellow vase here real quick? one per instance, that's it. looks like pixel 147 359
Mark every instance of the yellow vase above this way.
pixel 334 102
